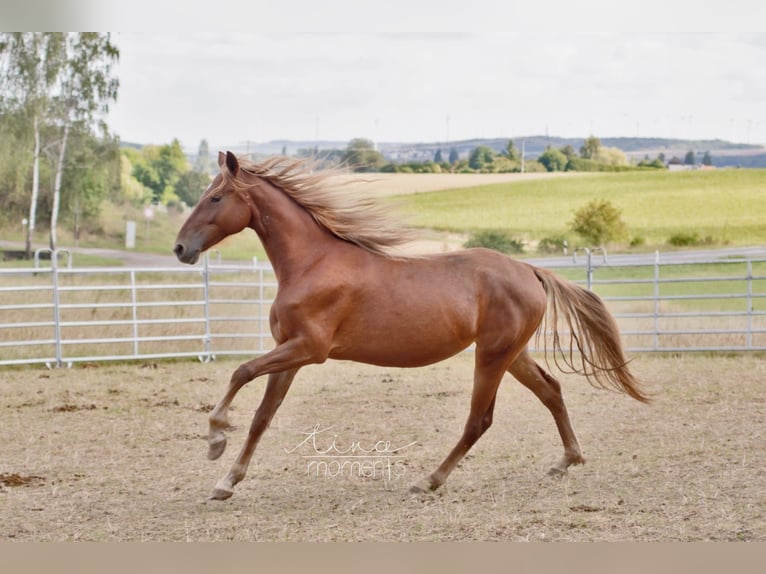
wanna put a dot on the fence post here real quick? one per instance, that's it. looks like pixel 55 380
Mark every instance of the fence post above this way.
pixel 657 300
pixel 207 357
pixel 261 321
pixel 134 305
pixel 56 306
pixel 588 266
pixel 749 335
pixel 588 263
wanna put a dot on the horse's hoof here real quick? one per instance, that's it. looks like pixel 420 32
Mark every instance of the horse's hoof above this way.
pixel 555 472
pixel 220 493
pixel 422 487
pixel 216 447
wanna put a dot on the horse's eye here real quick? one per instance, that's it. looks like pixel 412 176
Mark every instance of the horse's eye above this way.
pixel 215 198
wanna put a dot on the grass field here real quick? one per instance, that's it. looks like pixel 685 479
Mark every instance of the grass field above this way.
pixel 117 453
pixel 726 205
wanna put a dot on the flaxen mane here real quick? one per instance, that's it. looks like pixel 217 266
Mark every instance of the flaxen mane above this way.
pixel 345 213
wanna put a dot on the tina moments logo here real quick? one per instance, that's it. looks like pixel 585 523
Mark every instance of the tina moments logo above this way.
pixel 329 456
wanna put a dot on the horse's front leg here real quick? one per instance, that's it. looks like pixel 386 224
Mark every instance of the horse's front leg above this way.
pixel 291 354
pixel 276 389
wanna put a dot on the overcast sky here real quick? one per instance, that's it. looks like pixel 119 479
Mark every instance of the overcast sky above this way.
pixel 434 86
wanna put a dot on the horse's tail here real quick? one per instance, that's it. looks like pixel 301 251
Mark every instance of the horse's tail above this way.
pixel 592 331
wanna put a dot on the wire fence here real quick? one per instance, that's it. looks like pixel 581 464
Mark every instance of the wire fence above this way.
pixel 57 315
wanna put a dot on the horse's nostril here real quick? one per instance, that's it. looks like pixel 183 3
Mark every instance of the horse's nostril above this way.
pixel 178 249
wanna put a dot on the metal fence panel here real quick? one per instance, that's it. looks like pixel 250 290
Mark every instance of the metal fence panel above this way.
pixel 60 315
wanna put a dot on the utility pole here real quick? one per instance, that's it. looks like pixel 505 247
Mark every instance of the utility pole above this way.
pixel 523 153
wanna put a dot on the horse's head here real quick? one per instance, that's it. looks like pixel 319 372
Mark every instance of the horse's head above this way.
pixel 222 210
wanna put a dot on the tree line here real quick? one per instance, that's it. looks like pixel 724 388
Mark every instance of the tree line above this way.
pixel 362 156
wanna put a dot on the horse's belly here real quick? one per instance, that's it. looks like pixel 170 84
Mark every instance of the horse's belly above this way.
pixel 402 338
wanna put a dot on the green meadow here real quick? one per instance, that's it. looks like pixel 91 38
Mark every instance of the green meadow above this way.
pixel 722 207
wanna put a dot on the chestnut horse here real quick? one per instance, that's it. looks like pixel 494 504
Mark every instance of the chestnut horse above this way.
pixel 343 295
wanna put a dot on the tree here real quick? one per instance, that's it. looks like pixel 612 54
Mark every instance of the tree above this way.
pixel 362 156
pixel 85 88
pixel 481 158
pixel 590 147
pixel 690 159
pixel 83 190
pixel 30 63
pixel 203 164
pixel 454 156
pixel 190 185
pixel 611 156
pixel 568 151
pixel 511 151
pixel 553 159
pixel 61 82
pixel 159 168
pixel 707 159
pixel 438 156
pixel 598 222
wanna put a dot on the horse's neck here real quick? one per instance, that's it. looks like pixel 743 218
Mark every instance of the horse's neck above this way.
pixel 293 240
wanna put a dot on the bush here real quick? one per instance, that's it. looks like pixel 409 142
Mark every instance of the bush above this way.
pixel 611 156
pixel 598 222
pixel 688 239
pixel 551 245
pixel 553 159
pixel 582 164
pixel 496 239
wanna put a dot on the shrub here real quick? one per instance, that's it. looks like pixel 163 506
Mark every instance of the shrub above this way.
pixel 496 239
pixel 611 156
pixel 551 245
pixel 686 239
pixel 553 160
pixel 598 222
pixel 582 164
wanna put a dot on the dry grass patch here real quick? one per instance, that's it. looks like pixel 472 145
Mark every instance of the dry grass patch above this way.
pixel 128 461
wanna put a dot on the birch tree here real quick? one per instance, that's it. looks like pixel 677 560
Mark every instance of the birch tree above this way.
pixel 30 64
pixel 85 89
pixel 59 81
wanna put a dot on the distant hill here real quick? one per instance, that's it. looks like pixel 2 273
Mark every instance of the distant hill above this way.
pixel 724 153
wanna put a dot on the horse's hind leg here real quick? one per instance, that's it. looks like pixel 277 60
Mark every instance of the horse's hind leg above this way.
pixel 487 377
pixel 548 390
pixel 276 389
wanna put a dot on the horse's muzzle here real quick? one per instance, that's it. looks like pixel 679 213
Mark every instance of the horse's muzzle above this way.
pixel 186 255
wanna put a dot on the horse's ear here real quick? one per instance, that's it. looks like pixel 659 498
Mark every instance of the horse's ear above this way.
pixel 232 163
pixel 221 158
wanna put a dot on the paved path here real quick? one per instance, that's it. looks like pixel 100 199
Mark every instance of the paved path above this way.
pixel 128 258
pixel 694 256
pixel 138 259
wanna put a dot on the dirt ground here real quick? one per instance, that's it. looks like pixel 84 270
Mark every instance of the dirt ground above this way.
pixel 117 452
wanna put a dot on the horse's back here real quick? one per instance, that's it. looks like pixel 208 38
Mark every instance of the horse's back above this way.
pixel 420 310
